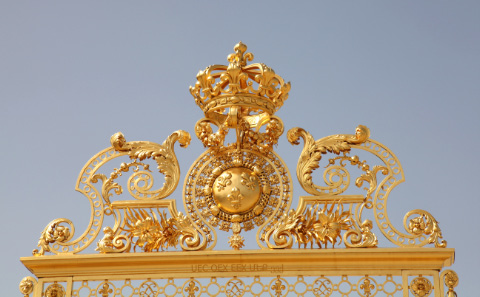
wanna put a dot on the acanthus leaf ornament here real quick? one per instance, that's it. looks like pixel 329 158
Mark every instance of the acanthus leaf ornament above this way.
pixel 315 226
pixel 425 224
pixel 158 232
pixel 313 150
pixel 113 244
pixel 55 232
pixel 361 238
pixel 163 155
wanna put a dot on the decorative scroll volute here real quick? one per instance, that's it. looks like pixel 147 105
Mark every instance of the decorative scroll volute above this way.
pixel 415 236
pixel 377 191
pixel 163 155
pixel 57 235
pixel 111 243
pixel 313 150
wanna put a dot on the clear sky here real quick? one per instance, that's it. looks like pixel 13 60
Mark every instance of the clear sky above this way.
pixel 72 74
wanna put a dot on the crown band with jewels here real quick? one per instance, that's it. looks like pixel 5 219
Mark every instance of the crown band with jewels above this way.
pixel 255 86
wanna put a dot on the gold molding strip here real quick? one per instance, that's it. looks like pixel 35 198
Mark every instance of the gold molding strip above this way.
pixel 242 263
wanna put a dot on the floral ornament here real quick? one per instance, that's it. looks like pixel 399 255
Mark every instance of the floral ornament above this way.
pixel 105 290
pixel 151 233
pixel 319 226
pixel 367 287
pixel 224 180
pixel 278 287
pixel 248 181
pixel 191 289
pixel 426 224
pixel 54 233
pixel 236 241
pixel 328 226
pixel 235 198
pixel 421 287
pixel 158 233
pixel 417 225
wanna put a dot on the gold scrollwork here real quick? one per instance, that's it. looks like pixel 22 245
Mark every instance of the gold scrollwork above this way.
pixel 109 184
pixel 361 238
pixel 313 150
pixel 57 238
pixel 113 244
pixel 394 177
pixel 55 232
pixel 163 155
pixel 426 224
pixel 337 180
pixel 370 176
pixel 243 185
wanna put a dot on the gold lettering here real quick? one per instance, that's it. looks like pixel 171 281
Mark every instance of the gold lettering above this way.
pixel 236 267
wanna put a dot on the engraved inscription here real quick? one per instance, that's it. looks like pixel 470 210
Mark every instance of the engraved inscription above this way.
pixel 237 268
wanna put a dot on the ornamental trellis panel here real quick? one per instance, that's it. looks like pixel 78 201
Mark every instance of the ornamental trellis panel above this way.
pixel 323 246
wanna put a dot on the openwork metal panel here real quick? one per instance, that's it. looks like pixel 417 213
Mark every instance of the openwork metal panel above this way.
pixel 427 284
pixel 239 188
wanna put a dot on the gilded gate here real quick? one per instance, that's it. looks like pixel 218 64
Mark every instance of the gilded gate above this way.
pixel 321 245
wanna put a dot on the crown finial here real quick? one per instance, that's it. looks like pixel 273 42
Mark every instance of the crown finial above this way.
pixel 241 97
pixel 238 58
pixel 255 86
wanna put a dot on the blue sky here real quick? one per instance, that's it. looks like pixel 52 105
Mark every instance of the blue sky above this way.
pixel 72 74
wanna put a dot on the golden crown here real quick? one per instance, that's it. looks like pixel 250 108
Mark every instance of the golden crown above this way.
pixel 255 87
